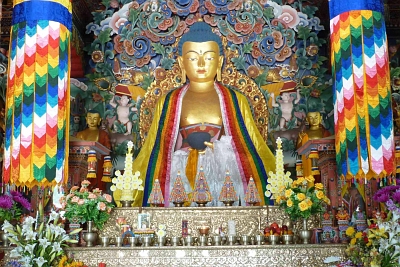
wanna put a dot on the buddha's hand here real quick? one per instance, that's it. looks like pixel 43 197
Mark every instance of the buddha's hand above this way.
pixel 209 144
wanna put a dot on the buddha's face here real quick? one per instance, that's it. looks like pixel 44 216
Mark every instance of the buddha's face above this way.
pixel 93 120
pixel 314 118
pixel 200 60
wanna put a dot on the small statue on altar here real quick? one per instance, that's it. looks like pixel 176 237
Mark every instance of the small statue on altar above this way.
pixel 286 104
pixel 342 214
pixel 314 131
pixel 327 224
pixel 359 219
pixel 124 110
pixel 93 132
pixel 343 218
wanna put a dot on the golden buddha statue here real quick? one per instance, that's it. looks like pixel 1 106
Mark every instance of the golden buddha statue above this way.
pixel 202 116
pixel 93 133
pixel 314 131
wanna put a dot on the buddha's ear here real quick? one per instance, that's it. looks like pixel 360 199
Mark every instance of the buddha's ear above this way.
pixel 183 72
pixel 219 69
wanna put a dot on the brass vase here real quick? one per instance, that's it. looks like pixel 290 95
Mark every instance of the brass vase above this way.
pixel 126 203
pixel 90 237
pixel 305 234
pixel 3 239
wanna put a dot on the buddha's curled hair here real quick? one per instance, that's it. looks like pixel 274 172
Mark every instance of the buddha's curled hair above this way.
pixel 200 32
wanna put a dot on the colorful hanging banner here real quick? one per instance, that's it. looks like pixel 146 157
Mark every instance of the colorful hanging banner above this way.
pixel 37 100
pixel 360 67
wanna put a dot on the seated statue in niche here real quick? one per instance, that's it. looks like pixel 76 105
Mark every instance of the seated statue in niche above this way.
pixel 93 132
pixel 202 123
pixel 124 109
pixel 286 104
pixel 314 131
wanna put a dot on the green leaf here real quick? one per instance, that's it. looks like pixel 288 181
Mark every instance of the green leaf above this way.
pixel 105 3
pixel 75 231
pixel 167 63
pixel 104 36
pixel 158 48
pixel 133 15
pixel 147 80
pixel 310 10
pixel 247 48
pixel 303 32
pixel 239 62
pixel 269 13
pixel 262 78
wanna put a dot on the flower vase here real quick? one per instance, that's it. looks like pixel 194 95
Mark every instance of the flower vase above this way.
pixel 126 198
pixel 3 239
pixel 90 237
pixel 305 234
pixel 73 226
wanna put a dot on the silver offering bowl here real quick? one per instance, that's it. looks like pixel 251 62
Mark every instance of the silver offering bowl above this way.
pixel 287 239
pixel 189 241
pixel 161 241
pixel 274 239
pixel 260 239
pixel 133 241
pixel 104 241
pixel 175 241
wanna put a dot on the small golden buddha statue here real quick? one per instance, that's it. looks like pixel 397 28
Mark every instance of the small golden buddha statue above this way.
pixel 315 131
pixel 93 133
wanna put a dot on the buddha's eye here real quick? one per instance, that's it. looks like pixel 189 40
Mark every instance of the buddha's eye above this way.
pixel 192 59
pixel 209 58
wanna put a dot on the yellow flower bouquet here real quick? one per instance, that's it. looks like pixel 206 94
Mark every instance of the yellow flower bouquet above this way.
pixel 302 198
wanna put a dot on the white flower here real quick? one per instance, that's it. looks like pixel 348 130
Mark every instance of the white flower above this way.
pixel 160 232
pixel 44 242
pixel 16 252
pixel 113 187
pixel 40 261
pixel 56 247
pixel 53 216
pixel 29 248
pixel 30 235
pixel 29 220
pixel 26 228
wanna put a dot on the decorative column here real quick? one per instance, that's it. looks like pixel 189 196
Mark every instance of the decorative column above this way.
pixel 36 138
pixel 360 67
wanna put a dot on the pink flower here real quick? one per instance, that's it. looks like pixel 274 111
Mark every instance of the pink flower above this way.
pixel 74 188
pixel 97 190
pixel 108 198
pixel 75 199
pixel 92 196
pixel 81 201
pixel 101 206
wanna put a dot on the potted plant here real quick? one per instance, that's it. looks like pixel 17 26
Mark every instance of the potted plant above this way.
pixel 82 205
pixel 11 205
pixel 38 245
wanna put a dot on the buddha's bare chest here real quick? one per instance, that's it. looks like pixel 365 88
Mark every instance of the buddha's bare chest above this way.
pixel 196 110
